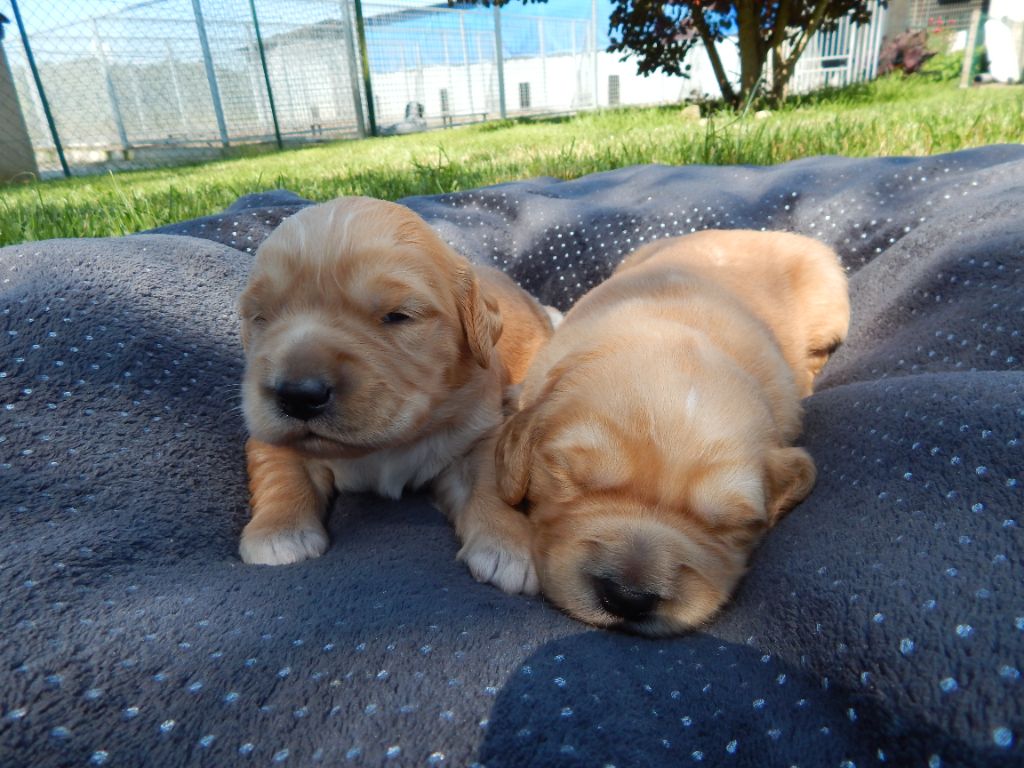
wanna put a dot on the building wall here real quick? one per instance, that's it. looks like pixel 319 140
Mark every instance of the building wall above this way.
pixel 562 83
pixel 16 155
pixel 311 85
pixel 899 17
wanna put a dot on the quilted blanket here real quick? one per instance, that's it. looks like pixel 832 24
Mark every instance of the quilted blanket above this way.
pixel 881 623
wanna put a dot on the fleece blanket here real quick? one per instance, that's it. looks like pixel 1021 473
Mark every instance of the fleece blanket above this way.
pixel 882 622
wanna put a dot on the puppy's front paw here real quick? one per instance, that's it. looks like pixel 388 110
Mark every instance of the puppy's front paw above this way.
pixel 506 565
pixel 280 547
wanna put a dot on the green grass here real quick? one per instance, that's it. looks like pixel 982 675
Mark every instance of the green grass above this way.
pixel 891 116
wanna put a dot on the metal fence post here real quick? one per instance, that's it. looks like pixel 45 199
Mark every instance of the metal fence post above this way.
pixel 115 101
pixel 465 60
pixel 137 99
pixel 176 84
pixel 499 60
pixel 39 87
pixel 266 74
pixel 211 75
pixel 353 68
pixel 543 59
pixel 967 71
pixel 593 34
pixel 364 56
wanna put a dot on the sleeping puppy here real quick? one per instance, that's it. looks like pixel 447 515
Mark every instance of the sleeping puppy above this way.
pixel 653 445
pixel 376 360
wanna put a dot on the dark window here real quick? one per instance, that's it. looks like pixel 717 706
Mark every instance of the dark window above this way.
pixel 613 90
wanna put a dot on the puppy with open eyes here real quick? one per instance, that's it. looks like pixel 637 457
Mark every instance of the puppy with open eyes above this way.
pixel 653 445
pixel 376 360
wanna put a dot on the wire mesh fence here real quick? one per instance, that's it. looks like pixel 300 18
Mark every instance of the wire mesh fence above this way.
pixel 996 26
pixel 446 62
pixel 96 85
pixel 178 80
pixel 942 15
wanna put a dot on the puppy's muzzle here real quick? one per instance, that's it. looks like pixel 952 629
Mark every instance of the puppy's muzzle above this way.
pixel 304 399
pixel 624 601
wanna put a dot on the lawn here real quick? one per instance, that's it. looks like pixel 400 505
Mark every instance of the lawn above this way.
pixel 891 116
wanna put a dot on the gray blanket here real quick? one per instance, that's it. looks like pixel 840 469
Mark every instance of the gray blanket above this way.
pixel 882 622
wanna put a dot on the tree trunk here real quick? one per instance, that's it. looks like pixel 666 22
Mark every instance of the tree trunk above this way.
pixel 748 20
pixel 780 77
pixel 780 72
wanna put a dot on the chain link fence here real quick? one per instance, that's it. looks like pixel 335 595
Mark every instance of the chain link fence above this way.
pixel 995 25
pixel 99 85
pixel 169 81
pixel 946 15
pixel 96 85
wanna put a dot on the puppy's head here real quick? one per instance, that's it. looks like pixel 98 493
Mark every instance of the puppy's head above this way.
pixel 647 497
pixel 358 322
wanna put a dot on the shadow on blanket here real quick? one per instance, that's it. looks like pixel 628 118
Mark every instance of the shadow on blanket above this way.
pixel 882 622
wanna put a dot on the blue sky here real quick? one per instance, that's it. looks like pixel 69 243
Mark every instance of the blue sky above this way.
pixel 43 14
pixel 61 29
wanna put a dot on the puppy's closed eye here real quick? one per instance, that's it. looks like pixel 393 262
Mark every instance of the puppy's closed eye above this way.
pixel 394 318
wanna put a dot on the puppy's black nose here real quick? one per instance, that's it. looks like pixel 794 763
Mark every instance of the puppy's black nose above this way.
pixel 303 399
pixel 624 602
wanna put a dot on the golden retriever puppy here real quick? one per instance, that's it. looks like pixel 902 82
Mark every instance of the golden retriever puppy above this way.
pixel 376 360
pixel 653 445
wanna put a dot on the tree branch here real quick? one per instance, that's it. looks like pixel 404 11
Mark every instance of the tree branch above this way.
pixel 781 24
pixel 780 74
pixel 807 33
pixel 697 16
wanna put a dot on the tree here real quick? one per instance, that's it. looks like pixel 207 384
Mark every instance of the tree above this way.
pixel 771 34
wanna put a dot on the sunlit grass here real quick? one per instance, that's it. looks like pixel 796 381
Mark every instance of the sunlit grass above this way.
pixel 892 116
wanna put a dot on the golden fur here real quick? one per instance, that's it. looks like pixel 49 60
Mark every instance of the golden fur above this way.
pixel 376 359
pixel 653 446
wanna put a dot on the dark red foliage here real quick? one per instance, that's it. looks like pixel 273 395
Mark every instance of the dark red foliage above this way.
pixel 906 52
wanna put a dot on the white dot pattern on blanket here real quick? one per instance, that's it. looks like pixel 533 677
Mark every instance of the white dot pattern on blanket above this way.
pixel 879 619
pixel 556 252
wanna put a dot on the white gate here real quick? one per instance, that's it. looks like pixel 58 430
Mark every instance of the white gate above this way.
pixel 847 54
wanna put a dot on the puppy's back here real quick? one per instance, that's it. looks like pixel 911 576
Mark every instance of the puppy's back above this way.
pixel 794 284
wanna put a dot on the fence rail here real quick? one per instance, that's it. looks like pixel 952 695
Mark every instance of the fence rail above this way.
pixel 95 85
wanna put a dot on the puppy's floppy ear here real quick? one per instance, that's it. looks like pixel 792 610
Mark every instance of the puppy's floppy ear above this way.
pixel 480 317
pixel 513 455
pixel 791 474
pixel 586 456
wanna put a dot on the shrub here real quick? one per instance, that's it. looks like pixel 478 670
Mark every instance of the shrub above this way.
pixel 906 52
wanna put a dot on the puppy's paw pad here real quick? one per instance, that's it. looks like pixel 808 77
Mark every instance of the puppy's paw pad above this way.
pixel 281 547
pixel 511 571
